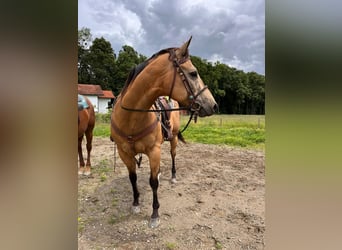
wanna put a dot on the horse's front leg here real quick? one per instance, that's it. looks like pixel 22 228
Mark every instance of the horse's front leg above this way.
pixel 154 159
pixel 131 166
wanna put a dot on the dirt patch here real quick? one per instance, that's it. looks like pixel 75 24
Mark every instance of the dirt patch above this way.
pixel 217 203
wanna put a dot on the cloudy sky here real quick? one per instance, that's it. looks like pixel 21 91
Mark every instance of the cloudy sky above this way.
pixel 229 31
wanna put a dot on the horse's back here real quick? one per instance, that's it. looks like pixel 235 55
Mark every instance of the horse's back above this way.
pixel 86 118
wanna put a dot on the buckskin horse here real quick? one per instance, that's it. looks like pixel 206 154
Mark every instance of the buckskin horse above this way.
pixel 136 129
pixel 86 123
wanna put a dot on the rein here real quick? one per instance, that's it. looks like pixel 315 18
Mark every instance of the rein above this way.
pixel 187 124
pixel 154 110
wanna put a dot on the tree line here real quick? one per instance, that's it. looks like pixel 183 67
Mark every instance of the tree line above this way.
pixel 235 91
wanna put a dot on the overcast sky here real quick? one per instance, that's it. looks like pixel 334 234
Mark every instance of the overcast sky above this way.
pixel 229 31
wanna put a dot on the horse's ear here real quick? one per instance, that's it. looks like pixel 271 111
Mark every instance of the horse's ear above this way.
pixel 183 50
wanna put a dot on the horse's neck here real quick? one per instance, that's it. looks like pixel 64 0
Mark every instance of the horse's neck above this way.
pixel 146 88
pixel 139 98
pixel 143 91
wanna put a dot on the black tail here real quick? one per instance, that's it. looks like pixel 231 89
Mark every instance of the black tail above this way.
pixel 180 137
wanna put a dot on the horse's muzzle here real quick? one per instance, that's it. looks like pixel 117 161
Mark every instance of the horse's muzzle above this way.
pixel 208 110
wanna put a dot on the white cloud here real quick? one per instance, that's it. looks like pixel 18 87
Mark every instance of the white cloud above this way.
pixel 235 62
pixel 216 58
pixel 244 20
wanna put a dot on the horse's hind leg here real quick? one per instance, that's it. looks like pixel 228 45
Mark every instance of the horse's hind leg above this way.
pixel 89 136
pixel 173 144
pixel 80 155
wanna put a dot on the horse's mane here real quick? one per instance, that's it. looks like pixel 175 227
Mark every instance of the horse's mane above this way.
pixel 135 71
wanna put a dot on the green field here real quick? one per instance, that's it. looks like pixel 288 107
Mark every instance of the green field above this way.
pixel 233 130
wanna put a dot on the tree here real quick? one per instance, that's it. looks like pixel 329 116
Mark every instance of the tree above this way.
pixel 84 40
pixel 256 83
pixel 127 59
pixel 205 70
pixel 101 60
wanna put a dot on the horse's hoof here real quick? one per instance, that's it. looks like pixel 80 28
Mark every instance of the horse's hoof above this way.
pixel 136 209
pixel 87 171
pixel 80 171
pixel 173 181
pixel 154 222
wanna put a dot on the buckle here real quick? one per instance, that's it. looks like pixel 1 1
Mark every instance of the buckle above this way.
pixel 130 139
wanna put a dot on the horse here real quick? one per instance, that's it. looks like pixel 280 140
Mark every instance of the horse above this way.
pixel 135 127
pixel 86 124
pixel 170 122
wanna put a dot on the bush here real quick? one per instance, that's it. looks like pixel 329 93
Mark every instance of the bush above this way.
pixel 102 118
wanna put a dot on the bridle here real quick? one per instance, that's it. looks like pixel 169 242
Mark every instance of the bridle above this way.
pixel 194 106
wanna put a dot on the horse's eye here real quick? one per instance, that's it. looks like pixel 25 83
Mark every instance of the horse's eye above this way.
pixel 193 74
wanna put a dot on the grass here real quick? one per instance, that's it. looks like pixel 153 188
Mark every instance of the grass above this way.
pixel 112 220
pixel 234 130
pixel 81 225
pixel 102 167
pixel 246 131
pixel 170 245
pixel 116 218
pixel 218 245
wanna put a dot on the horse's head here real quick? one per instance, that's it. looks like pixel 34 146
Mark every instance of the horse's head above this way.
pixel 188 88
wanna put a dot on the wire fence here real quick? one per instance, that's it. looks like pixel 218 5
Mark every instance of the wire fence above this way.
pixel 229 120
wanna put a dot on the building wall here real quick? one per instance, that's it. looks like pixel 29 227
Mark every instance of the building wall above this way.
pixel 100 104
pixel 103 104
pixel 94 100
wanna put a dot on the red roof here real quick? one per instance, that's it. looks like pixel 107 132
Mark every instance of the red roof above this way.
pixel 108 94
pixel 89 89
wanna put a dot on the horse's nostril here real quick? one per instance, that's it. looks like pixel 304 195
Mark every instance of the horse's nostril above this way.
pixel 215 108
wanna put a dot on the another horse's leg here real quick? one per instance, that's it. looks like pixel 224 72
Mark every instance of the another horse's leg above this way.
pixel 131 166
pixel 89 136
pixel 154 158
pixel 173 144
pixel 80 155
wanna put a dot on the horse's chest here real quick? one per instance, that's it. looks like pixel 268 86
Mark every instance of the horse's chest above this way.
pixel 134 148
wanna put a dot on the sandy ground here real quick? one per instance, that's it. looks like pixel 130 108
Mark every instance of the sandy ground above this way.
pixel 217 203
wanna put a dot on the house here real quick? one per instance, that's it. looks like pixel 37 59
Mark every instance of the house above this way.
pixel 101 99
pixel 106 101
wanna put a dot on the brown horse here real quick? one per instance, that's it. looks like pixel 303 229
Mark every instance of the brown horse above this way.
pixel 86 123
pixel 135 129
pixel 173 124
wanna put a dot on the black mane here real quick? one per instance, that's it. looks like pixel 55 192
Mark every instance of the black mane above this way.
pixel 135 71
